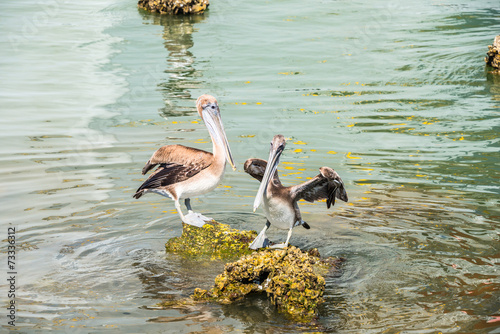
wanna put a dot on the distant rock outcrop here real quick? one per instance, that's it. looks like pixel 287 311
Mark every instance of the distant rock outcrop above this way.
pixel 493 55
pixel 174 6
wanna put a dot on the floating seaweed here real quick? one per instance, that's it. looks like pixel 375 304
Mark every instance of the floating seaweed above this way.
pixel 292 279
pixel 174 6
pixel 214 240
pixel 493 55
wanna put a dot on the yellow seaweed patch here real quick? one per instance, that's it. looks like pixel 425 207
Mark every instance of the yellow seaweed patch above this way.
pixel 331 152
pixel 289 73
pixel 200 141
pixel 213 240
pixel 291 163
pixel 298 150
pixel 299 142
pixel 292 279
pixel 351 157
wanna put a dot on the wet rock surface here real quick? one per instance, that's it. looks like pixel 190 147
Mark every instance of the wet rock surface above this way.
pixel 493 55
pixel 174 6
pixel 214 240
pixel 291 278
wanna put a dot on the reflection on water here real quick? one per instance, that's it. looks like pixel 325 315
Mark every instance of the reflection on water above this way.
pixel 183 75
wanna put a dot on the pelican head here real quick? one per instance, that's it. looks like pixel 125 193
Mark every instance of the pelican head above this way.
pixel 277 146
pixel 208 109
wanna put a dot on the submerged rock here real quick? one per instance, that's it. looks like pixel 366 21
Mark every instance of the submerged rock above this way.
pixel 214 240
pixel 174 6
pixel 493 55
pixel 292 279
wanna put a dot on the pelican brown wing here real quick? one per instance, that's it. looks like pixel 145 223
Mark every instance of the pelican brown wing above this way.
pixel 177 163
pixel 326 185
pixel 179 155
pixel 256 168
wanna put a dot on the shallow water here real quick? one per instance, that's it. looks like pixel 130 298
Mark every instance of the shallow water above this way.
pixel 394 96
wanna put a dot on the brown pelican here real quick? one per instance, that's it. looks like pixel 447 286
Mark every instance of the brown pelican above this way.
pixel 280 202
pixel 185 172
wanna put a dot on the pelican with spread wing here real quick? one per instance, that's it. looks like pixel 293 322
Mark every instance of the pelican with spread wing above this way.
pixel 280 202
pixel 185 172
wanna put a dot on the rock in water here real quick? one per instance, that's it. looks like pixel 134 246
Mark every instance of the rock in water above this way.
pixel 174 6
pixel 292 279
pixel 214 240
pixel 493 55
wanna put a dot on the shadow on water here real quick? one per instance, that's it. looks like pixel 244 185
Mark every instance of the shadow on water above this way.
pixel 183 76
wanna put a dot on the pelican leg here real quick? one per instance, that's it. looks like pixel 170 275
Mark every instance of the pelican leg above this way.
pixel 283 245
pixel 187 203
pixel 190 218
pixel 261 240
pixel 195 217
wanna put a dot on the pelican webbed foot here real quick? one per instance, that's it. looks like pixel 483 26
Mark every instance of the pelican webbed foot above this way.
pixel 284 244
pixel 196 219
pixel 261 241
pixel 278 246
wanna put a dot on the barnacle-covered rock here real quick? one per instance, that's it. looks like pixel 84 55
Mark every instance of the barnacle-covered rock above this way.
pixel 174 6
pixel 493 55
pixel 292 278
pixel 214 239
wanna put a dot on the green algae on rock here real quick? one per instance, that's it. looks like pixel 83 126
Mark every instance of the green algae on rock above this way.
pixel 493 55
pixel 292 279
pixel 214 239
pixel 174 6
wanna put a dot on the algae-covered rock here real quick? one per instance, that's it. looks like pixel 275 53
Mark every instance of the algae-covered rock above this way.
pixel 214 239
pixel 493 55
pixel 174 6
pixel 292 279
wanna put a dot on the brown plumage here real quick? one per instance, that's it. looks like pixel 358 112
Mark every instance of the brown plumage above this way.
pixel 183 171
pixel 326 185
pixel 177 163
pixel 280 202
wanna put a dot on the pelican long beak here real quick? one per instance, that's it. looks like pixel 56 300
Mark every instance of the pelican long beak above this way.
pixel 272 165
pixel 211 116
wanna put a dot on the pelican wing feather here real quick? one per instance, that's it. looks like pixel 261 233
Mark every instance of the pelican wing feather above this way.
pixel 326 185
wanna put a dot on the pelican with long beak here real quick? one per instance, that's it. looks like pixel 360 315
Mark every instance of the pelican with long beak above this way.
pixel 185 172
pixel 280 202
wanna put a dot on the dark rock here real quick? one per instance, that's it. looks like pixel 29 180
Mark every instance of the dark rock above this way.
pixel 174 6
pixel 493 55
pixel 292 279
